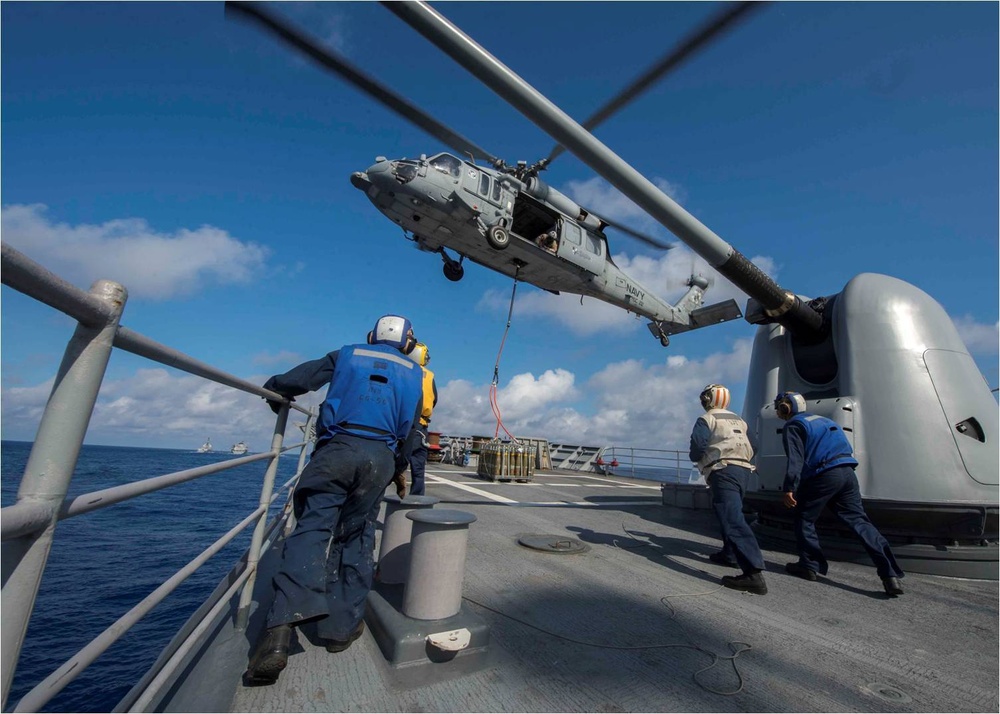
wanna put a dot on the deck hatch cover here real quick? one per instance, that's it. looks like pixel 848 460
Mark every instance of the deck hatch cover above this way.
pixel 552 543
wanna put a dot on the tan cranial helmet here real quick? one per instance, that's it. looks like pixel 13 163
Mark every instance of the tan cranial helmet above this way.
pixel 714 396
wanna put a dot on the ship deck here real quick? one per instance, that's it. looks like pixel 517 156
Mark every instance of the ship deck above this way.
pixel 639 622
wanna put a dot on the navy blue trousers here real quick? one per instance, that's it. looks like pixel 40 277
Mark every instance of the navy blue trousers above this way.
pixel 418 460
pixel 728 485
pixel 328 560
pixel 839 489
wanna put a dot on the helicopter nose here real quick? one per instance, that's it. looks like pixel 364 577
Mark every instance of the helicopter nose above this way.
pixel 380 175
pixel 359 179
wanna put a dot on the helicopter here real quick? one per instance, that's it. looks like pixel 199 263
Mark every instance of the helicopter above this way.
pixel 505 217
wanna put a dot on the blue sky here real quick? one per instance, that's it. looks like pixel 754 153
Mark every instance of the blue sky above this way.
pixel 206 167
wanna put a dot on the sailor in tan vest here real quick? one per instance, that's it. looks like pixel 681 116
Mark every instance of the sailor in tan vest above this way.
pixel 721 450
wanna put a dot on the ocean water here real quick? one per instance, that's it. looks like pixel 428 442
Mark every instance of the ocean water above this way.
pixel 104 562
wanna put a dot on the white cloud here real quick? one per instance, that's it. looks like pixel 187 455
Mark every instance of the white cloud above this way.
pixel 159 407
pixel 628 403
pixel 634 404
pixel 980 338
pixel 605 200
pixel 151 265
pixel 24 406
pixel 665 276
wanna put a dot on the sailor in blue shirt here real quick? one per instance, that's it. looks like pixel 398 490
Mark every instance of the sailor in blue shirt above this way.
pixel 326 570
pixel 820 472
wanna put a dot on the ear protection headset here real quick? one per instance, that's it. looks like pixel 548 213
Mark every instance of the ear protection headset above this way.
pixel 788 404
pixel 420 354
pixel 394 331
pixel 714 396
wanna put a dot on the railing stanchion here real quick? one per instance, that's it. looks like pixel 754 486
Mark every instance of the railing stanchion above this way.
pixel 253 555
pixel 50 467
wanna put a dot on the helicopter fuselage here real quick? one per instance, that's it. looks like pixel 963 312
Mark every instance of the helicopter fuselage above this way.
pixel 447 203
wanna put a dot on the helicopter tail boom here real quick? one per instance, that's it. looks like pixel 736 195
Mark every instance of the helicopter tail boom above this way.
pixel 689 314
pixel 702 317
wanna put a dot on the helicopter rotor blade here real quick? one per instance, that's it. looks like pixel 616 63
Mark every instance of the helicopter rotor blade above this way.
pixel 695 41
pixel 340 66
pixel 634 233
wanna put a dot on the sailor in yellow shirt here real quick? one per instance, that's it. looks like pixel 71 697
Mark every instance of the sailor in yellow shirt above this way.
pixel 417 439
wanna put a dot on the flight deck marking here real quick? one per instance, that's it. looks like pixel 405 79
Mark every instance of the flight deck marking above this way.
pixel 472 489
pixel 604 479
pixel 512 502
pixel 562 485
pixel 605 483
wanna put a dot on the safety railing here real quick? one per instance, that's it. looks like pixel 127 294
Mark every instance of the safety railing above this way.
pixel 27 527
pixel 664 465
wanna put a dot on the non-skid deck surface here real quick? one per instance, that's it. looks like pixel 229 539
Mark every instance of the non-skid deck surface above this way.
pixel 639 622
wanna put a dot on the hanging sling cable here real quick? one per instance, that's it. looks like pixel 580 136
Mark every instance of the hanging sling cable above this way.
pixel 496 367
pixel 504 461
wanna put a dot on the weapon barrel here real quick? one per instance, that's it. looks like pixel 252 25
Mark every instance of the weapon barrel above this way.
pixel 788 309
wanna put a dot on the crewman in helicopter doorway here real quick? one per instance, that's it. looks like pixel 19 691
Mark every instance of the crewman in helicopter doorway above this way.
pixel 417 441
pixel 721 450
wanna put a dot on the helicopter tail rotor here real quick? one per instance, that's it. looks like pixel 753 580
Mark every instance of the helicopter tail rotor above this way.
pixel 690 312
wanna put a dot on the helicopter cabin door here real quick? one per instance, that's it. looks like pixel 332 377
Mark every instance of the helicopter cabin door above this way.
pixel 581 247
pixel 487 195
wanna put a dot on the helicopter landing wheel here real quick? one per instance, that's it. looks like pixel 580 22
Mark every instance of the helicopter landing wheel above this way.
pixel 664 340
pixel 453 271
pixel 498 237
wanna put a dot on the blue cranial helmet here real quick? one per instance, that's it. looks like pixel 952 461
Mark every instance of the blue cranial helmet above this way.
pixel 788 404
pixel 394 331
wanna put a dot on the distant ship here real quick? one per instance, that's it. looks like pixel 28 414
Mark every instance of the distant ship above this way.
pixel 240 448
pixel 206 447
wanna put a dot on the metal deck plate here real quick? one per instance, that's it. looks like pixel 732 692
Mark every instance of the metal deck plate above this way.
pixel 553 543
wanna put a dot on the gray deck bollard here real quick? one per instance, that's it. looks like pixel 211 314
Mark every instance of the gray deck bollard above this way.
pixel 437 563
pixel 394 551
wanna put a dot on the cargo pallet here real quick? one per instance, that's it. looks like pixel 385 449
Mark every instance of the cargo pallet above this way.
pixel 506 461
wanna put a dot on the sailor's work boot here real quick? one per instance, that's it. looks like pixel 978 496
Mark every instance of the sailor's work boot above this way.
pixel 800 571
pixel 341 645
pixel 270 656
pixel 892 586
pixel 748 582
pixel 720 558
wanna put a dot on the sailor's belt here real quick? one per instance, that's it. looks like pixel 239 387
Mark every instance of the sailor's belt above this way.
pixel 823 466
pixel 362 427
pixel 733 462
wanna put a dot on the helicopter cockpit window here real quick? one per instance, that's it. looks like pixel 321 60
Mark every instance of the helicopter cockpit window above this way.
pixel 484 184
pixel 593 244
pixel 406 171
pixel 496 191
pixel 447 164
